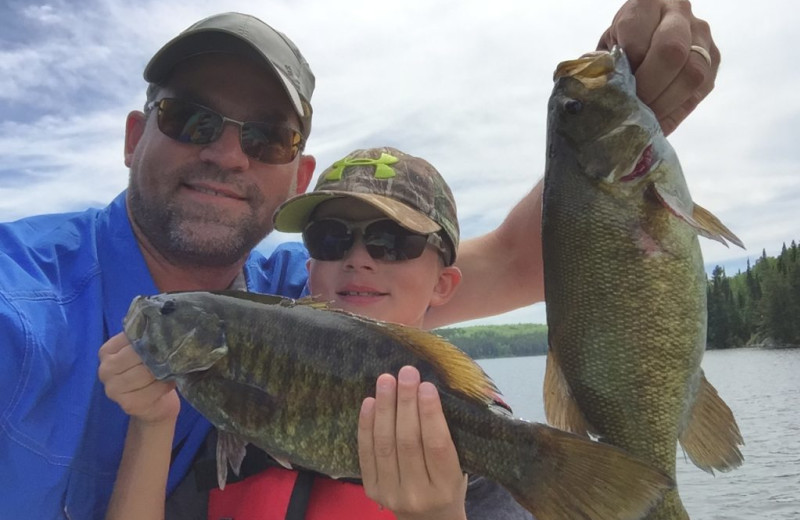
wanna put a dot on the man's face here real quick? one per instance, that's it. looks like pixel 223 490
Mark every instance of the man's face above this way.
pixel 209 205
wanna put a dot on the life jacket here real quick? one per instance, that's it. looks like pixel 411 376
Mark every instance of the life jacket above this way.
pixel 277 493
pixel 264 490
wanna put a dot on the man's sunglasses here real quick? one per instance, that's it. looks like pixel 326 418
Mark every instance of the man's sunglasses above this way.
pixel 192 123
pixel 331 238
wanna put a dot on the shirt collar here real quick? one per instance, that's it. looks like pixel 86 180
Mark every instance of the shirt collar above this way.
pixel 124 272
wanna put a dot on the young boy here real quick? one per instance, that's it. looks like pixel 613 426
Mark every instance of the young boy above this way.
pixel 382 233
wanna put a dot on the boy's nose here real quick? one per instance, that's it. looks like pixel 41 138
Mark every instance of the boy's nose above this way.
pixel 358 257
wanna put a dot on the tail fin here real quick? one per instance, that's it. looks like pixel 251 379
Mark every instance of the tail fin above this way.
pixel 560 475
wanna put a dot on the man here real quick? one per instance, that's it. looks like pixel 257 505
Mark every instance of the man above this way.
pixel 210 159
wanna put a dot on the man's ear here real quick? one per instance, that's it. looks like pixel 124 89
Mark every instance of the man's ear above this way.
pixel 134 128
pixel 446 285
pixel 305 170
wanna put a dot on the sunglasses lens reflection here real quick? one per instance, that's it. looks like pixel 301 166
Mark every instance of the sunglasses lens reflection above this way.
pixel 331 239
pixel 191 123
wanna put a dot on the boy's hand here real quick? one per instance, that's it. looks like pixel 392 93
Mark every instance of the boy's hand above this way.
pixel 408 460
pixel 130 383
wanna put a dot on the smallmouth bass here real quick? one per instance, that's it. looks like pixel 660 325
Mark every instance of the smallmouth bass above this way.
pixel 289 377
pixel 625 286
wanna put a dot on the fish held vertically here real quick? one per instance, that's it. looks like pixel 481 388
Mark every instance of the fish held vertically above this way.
pixel 625 285
pixel 289 377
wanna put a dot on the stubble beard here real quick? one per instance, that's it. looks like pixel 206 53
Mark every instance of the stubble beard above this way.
pixel 196 235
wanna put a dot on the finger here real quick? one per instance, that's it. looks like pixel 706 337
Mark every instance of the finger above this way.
pixel 694 82
pixel 142 402
pixel 383 435
pixel 131 380
pixel 632 29
pixel 665 57
pixel 113 345
pixel 366 447
pixel 672 80
pixel 410 454
pixel 440 451
pixel 671 121
pixel 118 363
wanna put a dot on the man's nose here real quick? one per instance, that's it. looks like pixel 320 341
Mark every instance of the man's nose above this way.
pixel 226 151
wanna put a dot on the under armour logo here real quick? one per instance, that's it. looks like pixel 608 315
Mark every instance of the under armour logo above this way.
pixel 382 168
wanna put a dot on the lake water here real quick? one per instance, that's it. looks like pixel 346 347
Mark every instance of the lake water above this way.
pixel 762 387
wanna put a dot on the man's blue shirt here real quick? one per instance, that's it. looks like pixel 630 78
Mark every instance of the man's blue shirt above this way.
pixel 66 281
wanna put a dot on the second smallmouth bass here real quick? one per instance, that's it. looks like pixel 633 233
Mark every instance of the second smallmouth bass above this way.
pixel 290 377
pixel 625 285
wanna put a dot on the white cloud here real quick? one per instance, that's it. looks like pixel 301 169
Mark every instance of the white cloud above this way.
pixel 462 83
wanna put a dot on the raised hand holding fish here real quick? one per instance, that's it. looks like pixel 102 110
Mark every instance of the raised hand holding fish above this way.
pixel 658 38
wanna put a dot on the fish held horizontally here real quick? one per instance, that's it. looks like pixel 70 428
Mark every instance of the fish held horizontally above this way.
pixel 289 377
pixel 625 285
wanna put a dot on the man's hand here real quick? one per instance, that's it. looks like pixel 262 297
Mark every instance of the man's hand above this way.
pixel 657 36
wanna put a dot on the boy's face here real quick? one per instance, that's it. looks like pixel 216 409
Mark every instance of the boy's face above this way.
pixel 398 292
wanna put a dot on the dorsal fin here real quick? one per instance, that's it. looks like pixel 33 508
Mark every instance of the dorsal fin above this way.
pixel 458 371
pixel 266 299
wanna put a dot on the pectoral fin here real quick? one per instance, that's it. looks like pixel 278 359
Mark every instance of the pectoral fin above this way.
pixel 699 218
pixel 712 438
pixel 714 227
pixel 560 408
pixel 230 450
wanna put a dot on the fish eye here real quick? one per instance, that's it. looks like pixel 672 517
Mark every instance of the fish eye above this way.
pixel 573 106
pixel 168 307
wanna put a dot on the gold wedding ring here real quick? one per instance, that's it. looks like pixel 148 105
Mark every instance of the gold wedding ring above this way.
pixel 702 52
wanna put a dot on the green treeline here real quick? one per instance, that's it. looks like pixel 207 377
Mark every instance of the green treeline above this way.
pixel 760 306
pixel 493 341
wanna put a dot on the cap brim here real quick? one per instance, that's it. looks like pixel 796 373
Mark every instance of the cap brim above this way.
pixel 293 215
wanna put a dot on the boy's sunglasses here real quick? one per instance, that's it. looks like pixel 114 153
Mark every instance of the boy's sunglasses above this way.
pixel 331 238
pixel 192 123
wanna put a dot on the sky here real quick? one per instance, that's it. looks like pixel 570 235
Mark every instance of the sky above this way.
pixel 461 83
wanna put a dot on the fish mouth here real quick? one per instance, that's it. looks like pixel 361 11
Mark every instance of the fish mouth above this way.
pixel 135 322
pixel 135 326
pixel 593 69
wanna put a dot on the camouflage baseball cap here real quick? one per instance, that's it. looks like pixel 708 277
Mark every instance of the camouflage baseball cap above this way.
pixel 407 189
pixel 245 35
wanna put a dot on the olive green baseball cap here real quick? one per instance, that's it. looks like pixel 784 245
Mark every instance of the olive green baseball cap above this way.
pixel 407 189
pixel 245 35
